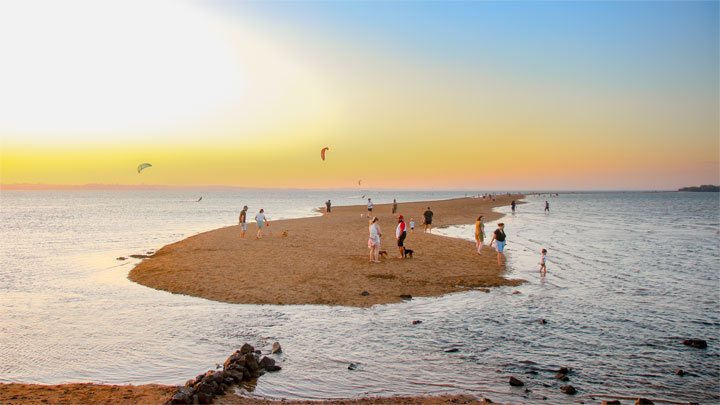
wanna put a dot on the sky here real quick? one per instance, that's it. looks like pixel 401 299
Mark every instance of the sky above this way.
pixel 406 95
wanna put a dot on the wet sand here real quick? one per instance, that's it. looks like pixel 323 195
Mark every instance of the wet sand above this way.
pixel 324 260
pixel 84 394
pixel 159 394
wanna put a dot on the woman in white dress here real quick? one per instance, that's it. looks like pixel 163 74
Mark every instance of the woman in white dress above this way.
pixel 374 240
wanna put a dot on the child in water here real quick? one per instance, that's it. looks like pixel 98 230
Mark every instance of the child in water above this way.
pixel 542 262
pixel 412 225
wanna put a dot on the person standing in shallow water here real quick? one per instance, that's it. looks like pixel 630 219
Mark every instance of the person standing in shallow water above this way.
pixel 374 240
pixel 499 239
pixel 547 207
pixel 328 207
pixel 243 222
pixel 512 205
pixel 479 234
pixel 261 222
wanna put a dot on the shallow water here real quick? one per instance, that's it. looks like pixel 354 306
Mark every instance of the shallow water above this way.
pixel 629 276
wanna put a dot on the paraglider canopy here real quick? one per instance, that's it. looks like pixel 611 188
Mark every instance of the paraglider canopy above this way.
pixel 143 166
pixel 322 152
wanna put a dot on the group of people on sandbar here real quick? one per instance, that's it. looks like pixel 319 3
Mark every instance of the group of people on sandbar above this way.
pixel 401 232
pixel 498 238
pixel 260 220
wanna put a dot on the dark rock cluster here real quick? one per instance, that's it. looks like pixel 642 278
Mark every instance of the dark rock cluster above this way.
pixel 243 365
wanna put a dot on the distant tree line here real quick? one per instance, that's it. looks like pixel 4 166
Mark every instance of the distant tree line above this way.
pixel 703 188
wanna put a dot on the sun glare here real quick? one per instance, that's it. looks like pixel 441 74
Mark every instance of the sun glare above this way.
pixel 87 67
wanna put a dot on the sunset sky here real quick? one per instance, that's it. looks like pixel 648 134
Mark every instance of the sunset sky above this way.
pixel 452 95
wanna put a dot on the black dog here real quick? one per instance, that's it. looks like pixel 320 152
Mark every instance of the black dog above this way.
pixel 408 252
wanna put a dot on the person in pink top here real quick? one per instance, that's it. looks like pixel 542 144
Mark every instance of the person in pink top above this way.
pixel 400 234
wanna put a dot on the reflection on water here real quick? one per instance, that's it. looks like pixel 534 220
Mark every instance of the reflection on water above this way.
pixel 629 276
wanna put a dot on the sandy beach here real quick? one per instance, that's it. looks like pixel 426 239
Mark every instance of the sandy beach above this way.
pixel 159 394
pixel 324 260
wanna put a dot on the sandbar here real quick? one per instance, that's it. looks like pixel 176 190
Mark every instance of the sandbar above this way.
pixel 324 260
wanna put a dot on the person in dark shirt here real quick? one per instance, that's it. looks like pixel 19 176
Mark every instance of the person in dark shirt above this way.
pixel 428 220
pixel 547 207
pixel 328 207
pixel 499 239
pixel 243 222
pixel 512 205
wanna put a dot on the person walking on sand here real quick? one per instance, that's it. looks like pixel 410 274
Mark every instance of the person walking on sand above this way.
pixel 374 240
pixel 394 207
pixel 427 220
pixel 412 225
pixel 547 207
pixel 512 205
pixel 261 222
pixel 543 269
pixel 328 206
pixel 400 234
pixel 243 222
pixel 370 206
pixel 479 234
pixel 499 239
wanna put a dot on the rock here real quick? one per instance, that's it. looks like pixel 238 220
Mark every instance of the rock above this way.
pixel 699 343
pixel 246 348
pixel 485 290
pixel 251 362
pixel 515 382
pixel 215 377
pixel 453 350
pixel 415 322
pixel 195 400
pixel 180 398
pixel 568 389
pixel 276 348
pixel 266 361
pixel 273 368
pixel 236 375
pixel 563 370
pixel 531 372
pixel 486 401
pixel 205 388
pixel 561 377
pixel 218 389
pixel 613 402
pixel 228 381
pixel 352 366
pixel 140 256
pixel 516 292
pixel 205 398
pixel 190 382
pixel 406 296
pixel 364 293
pixel 680 373
pixel 234 358
pixel 121 258
pixel 644 401
pixel 543 322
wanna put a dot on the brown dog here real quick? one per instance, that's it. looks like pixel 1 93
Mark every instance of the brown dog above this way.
pixel 383 253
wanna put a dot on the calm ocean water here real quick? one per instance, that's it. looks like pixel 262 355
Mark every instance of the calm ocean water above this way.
pixel 629 276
